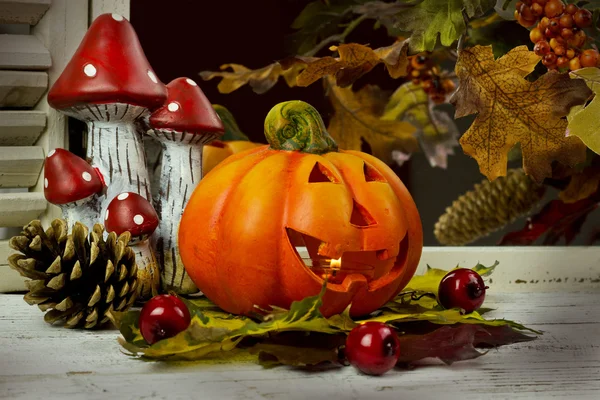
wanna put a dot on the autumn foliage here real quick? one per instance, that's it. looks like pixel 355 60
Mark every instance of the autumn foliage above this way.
pixel 529 95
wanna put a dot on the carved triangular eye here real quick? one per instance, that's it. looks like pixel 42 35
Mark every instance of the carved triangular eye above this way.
pixel 372 175
pixel 320 173
pixel 361 217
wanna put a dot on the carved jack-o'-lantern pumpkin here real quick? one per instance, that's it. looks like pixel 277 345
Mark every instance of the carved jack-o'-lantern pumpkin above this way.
pixel 268 226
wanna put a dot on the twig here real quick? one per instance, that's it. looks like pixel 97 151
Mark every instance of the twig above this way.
pixel 337 38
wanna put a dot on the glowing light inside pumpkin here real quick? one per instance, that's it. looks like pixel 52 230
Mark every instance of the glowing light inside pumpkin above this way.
pixel 335 265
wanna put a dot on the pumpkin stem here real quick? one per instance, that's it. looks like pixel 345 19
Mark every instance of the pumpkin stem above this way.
pixel 296 125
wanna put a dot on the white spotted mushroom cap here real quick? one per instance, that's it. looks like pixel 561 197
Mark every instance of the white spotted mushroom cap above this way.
pixel 130 212
pixel 187 110
pixel 108 67
pixel 68 178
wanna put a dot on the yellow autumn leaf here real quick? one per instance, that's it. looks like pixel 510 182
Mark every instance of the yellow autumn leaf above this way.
pixel 511 110
pixel 357 118
pixel 583 121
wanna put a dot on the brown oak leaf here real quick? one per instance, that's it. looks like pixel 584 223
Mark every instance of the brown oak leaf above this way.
pixel 260 80
pixel 511 110
pixel 354 61
pixel 357 118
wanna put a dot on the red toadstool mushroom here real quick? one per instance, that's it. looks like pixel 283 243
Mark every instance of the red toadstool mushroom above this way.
pixel 131 212
pixel 73 185
pixel 109 84
pixel 184 124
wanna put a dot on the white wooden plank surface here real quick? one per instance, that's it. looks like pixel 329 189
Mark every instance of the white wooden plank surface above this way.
pixel 18 209
pixel 20 166
pixel 525 269
pixel 21 128
pixel 99 7
pixel 23 52
pixel 60 30
pixel 22 88
pixel 54 363
pixel 22 11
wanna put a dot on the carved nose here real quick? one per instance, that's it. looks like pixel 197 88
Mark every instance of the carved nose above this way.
pixel 361 217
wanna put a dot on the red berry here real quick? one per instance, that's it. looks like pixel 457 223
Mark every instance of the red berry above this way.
pixel 541 48
pixel 554 8
pixel 549 60
pixel 554 26
pixel 589 58
pixel 566 21
pixel 373 348
pixel 562 62
pixel 571 9
pixel 583 18
pixel 162 317
pixel 537 9
pixel 462 288
pixel 535 35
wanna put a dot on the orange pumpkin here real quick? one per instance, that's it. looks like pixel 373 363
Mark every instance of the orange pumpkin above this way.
pixel 216 151
pixel 243 231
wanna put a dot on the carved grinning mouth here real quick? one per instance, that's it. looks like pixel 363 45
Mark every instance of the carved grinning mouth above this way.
pixel 367 265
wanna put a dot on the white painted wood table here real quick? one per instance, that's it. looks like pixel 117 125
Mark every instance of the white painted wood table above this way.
pixel 39 361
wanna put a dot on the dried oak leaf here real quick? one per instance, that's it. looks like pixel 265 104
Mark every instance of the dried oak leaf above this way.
pixel 432 18
pixel 583 120
pixel 459 342
pixel 354 61
pixel 357 118
pixel 513 110
pixel 260 80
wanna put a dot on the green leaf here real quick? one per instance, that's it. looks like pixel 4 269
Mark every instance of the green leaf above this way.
pixel 302 336
pixel 397 313
pixel 317 21
pixel 583 120
pixel 431 19
pixel 430 281
pixel 213 330
pixel 232 130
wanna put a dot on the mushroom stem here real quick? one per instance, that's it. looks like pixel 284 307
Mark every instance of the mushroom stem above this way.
pixel 86 211
pixel 148 272
pixel 115 147
pixel 180 174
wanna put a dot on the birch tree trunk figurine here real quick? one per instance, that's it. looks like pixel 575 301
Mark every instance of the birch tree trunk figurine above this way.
pixel 109 84
pixel 183 125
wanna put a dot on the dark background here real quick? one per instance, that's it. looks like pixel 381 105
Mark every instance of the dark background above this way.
pixel 184 37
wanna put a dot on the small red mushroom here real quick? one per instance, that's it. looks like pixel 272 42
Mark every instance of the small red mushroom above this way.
pixel 131 212
pixel 184 124
pixel 71 183
pixel 187 111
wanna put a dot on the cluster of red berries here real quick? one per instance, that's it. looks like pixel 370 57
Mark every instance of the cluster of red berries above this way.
pixel 559 36
pixel 372 347
pixel 423 70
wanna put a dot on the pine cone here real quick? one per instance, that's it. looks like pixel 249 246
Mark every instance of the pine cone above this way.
pixel 488 208
pixel 76 279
